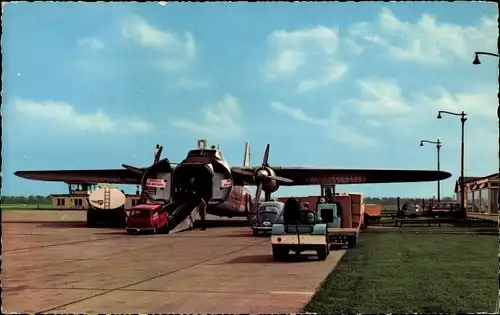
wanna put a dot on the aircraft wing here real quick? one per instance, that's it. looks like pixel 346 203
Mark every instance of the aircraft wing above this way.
pixel 302 176
pixel 111 176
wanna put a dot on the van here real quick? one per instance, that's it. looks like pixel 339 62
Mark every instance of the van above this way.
pixel 146 218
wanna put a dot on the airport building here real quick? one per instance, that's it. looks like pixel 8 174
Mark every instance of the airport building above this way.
pixel 481 193
pixel 78 198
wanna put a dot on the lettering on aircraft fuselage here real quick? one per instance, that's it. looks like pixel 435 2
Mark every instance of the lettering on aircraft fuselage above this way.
pixel 154 182
pixel 226 183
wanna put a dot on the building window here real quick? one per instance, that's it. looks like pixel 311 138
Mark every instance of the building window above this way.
pixel 484 200
pixel 494 200
pixel 477 201
pixel 58 201
pixel 470 201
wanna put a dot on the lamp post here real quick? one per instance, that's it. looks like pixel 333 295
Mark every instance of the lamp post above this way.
pixel 477 62
pixel 463 119
pixel 438 147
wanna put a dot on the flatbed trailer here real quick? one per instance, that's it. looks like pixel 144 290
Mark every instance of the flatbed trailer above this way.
pixel 343 236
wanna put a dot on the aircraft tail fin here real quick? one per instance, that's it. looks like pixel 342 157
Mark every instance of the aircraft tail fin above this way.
pixel 246 158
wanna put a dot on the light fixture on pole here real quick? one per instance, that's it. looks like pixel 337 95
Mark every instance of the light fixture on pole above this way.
pixel 463 119
pixel 477 62
pixel 438 147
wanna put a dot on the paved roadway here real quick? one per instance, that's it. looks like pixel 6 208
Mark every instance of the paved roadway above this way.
pixel 63 267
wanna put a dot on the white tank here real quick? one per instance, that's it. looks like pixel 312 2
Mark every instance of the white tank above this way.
pixel 107 198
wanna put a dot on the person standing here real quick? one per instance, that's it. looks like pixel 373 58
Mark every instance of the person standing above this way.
pixel 202 209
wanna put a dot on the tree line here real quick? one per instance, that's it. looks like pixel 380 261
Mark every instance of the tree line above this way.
pixel 37 199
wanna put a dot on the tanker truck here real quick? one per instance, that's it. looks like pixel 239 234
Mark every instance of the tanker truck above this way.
pixel 106 207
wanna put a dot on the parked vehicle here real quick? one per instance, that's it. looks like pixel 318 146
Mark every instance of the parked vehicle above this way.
pixel 147 217
pixel 267 214
pixel 299 232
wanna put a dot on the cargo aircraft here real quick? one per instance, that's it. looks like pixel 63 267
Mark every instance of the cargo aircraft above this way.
pixel 206 173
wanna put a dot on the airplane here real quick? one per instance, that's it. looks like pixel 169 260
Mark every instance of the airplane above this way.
pixel 206 173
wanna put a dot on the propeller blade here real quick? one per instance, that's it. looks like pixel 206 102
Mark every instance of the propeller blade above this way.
pixel 280 179
pixel 133 169
pixel 257 194
pixel 266 155
pixel 157 156
pixel 243 172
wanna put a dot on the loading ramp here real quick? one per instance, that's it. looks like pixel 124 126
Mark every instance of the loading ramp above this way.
pixel 181 217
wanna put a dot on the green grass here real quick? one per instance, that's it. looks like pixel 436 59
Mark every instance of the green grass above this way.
pixel 412 272
pixel 23 206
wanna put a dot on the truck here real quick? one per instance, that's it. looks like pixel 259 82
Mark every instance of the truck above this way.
pixel 299 232
pixel 148 217
pixel 106 206
pixel 344 217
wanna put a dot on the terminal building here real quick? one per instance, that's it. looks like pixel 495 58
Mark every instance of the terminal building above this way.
pixel 481 194
pixel 77 198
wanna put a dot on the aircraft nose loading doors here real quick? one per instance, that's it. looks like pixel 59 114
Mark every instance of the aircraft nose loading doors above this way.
pixel 156 181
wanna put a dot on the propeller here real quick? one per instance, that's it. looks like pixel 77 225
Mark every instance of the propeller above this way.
pixel 141 171
pixel 262 174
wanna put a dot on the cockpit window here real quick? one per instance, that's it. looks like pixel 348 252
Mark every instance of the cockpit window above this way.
pixel 204 152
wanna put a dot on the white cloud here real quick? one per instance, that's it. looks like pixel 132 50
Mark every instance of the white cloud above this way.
pixel 176 51
pixel 336 129
pixel 383 104
pixel 332 75
pixel 353 47
pixel 383 99
pixel 427 41
pixel 380 98
pixel 308 55
pixel 64 115
pixel 481 102
pixel 222 120
pixel 91 43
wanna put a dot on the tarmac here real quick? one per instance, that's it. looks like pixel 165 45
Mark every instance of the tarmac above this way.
pixel 53 263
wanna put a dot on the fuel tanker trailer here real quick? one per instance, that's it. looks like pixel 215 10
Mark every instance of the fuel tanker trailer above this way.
pixel 106 207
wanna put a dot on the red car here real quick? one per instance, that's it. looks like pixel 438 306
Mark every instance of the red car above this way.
pixel 147 217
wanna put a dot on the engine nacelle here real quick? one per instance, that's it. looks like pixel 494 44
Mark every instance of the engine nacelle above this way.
pixel 268 185
pixel 156 181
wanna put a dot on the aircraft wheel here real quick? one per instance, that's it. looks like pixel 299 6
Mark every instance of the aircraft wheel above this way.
pixel 255 233
pixel 280 253
pixel 322 253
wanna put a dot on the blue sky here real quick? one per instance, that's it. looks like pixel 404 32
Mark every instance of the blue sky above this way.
pixel 326 84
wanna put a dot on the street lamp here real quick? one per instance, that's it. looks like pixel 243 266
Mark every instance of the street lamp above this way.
pixel 477 53
pixel 463 119
pixel 477 62
pixel 438 147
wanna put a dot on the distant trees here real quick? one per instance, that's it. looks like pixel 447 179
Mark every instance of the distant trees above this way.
pixel 30 200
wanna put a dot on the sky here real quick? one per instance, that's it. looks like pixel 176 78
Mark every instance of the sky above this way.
pixel 340 85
